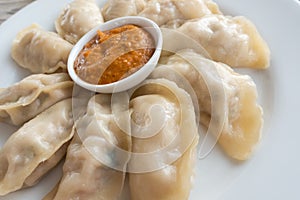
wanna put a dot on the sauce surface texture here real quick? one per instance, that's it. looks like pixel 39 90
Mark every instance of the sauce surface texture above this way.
pixel 114 54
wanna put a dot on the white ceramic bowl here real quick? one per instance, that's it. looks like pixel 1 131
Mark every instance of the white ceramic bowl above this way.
pixel 133 79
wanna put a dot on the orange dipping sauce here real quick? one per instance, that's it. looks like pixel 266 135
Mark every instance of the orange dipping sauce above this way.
pixel 115 54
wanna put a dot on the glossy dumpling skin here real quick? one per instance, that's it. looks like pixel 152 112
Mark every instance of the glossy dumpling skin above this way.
pixel 35 148
pixel 163 12
pixel 171 171
pixel 120 8
pixel 235 99
pixel 160 11
pixel 96 137
pixel 32 95
pixel 172 182
pixel 231 40
pixel 40 51
pixel 77 18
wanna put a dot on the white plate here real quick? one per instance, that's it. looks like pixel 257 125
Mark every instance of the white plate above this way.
pixel 274 170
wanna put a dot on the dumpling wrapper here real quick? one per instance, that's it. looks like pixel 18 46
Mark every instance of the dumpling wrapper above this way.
pixel 85 177
pixel 160 11
pixel 77 18
pixel 171 182
pixel 35 148
pixel 32 95
pixel 234 41
pixel 121 8
pixel 93 169
pixel 40 51
pixel 236 111
pixel 163 12
pixel 162 164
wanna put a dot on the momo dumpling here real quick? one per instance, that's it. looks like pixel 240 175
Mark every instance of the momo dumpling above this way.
pixel 164 143
pixel 84 177
pixel 95 166
pixel 163 12
pixel 32 95
pixel 225 98
pixel 120 8
pixel 234 41
pixel 77 18
pixel 40 51
pixel 196 8
pixel 36 147
pixel 160 11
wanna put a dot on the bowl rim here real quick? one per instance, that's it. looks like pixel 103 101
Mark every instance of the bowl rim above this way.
pixel 119 85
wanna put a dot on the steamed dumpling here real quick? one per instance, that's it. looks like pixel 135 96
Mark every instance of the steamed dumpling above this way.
pixel 35 148
pixel 162 163
pixel 231 40
pixel 93 168
pixel 171 182
pixel 163 12
pixel 32 95
pixel 77 18
pixel 160 11
pixel 120 8
pixel 40 51
pixel 225 98
pixel 112 139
